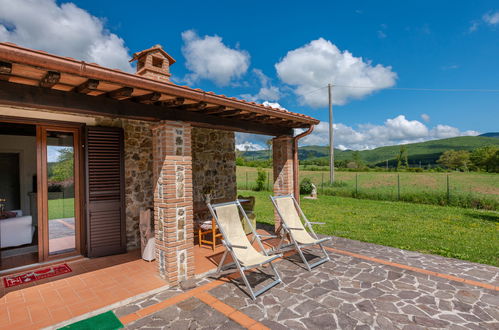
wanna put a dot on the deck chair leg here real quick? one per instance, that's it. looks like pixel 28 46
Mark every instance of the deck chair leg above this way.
pixel 302 256
pixel 221 264
pixel 246 282
pixel 324 251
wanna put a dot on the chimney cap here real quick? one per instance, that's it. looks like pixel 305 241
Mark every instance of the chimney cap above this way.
pixel 157 47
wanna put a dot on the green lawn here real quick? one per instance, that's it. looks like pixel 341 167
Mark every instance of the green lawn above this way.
pixel 61 208
pixel 448 231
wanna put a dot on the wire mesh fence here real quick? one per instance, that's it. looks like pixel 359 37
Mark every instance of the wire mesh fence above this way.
pixel 473 190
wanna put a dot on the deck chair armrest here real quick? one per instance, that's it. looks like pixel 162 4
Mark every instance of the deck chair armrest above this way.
pixel 232 246
pixel 264 235
pixel 294 228
pixel 316 223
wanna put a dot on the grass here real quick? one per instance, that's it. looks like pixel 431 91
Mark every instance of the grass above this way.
pixel 448 231
pixel 474 190
pixel 61 208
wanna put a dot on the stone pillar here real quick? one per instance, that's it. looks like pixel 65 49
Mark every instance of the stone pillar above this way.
pixel 173 211
pixel 282 148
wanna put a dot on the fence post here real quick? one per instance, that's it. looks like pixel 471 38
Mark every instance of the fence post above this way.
pixel 268 181
pixel 246 180
pixel 398 186
pixel 356 184
pixel 322 182
pixel 448 190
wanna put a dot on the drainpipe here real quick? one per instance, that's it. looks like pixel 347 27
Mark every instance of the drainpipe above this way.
pixel 296 184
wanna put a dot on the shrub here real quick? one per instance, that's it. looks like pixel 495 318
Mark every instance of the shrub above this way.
pixel 306 186
pixel 261 177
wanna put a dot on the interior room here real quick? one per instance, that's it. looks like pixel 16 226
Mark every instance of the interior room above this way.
pixel 18 202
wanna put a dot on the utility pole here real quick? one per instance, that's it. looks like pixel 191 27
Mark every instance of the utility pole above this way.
pixel 331 134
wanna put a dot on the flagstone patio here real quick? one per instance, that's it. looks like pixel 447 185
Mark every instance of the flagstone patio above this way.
pixel 364 286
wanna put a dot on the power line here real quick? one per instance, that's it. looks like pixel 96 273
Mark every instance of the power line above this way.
pixel 425 89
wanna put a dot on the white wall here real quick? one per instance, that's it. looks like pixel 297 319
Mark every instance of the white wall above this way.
pixel 26 147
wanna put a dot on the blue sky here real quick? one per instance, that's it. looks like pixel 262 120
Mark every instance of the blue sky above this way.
pixel 283 51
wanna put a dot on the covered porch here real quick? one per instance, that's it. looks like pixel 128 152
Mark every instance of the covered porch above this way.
pixel 165 147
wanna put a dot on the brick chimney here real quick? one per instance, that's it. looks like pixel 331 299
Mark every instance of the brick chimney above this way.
pixel 153 63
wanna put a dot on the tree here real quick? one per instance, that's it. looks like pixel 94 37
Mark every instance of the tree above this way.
pixel 455 160
pixel 357 160
pixel 63 169
pixel 486 158
pixel 402 159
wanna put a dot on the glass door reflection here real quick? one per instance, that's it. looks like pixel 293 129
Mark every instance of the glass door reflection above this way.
pixel 61 192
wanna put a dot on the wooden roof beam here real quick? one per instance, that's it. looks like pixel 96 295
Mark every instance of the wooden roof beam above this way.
pixel 87 87
pixel 147 98
pixel 229 113
pixel 50 79
pixel 173 102
pixel 120 93
pixel 51 99
pixel 193 106
pixel 212 110
pixel 5 70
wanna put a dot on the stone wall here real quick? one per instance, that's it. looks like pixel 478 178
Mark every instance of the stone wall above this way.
pixel 213 168
pixel 138 172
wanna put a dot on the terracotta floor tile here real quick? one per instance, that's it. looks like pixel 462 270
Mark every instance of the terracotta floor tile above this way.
pixel 93 283
pixel 60 314
pixel 39 314
pixel 18 314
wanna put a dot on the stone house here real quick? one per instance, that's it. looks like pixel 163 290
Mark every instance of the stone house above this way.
pixel 135 141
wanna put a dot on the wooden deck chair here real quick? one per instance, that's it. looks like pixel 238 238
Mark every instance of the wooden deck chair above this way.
pixel 291 225
pixel 239 246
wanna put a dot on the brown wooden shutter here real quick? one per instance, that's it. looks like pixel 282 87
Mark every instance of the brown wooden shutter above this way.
pixel 106 233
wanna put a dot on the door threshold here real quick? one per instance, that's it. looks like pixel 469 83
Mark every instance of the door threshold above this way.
pixel 39 264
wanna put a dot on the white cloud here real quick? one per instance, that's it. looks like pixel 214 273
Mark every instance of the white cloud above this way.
pixel 381 34
pixel 209 58
pixel 398 130
pixel 425 117
pixel 474 26
pixel 491 18
pixel 251 141
pixel 273 105
pixel 62 29
pixel 267 92
pixel 249 146
pixel 320 62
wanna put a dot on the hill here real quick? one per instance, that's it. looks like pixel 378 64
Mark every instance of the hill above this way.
pixel 491 134
pixel 425 152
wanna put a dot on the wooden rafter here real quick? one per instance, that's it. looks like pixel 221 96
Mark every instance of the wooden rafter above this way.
pixel 212 110
pixel 147 98
pixel 50 79
pixel 173 102
pixel 193 107
pixel 5 70
pixel 229 113
pixel 87 87
pixel 120 93
pixel 51 99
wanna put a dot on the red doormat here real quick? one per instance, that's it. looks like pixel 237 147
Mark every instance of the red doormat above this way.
pixel 36 275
